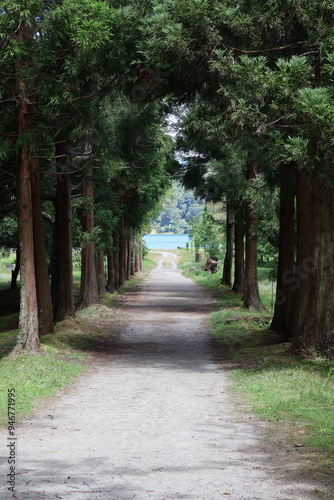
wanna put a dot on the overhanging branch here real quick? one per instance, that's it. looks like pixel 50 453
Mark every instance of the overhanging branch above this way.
pixel 273 49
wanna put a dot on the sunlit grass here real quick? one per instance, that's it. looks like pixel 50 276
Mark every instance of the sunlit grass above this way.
pixel 295 394
pixel 34 378
pixel 150 261
pixel 63 355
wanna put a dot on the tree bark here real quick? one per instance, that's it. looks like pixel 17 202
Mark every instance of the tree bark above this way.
pixel 239 251
pixel 88 287
pixel 111 271
pixel 137 256
pixel 128 256
pixel 286 255
pixel 116 252
pixel 27 338
pixel 316 332
pixel 228 261
pixel 45 318
pixel 122 255
pixel 28 321
pixel 101 282
pixel 251 293
pixel 133 254
pixel 298 280
pixel 62 264
pixel 138 253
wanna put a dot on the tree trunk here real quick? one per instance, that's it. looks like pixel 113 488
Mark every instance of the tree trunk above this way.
pixel 61 263
pixel 137 256
pixel 126 257
pixel 239 251
pixel 101 281
pixel 28 321
pixel 116 243
pixel 316 332
pixel 111 271
pixel 129 256
pixel 45 318
pixel 251 293
pixel 298 280
pixel 230 222
pixel 122 255
pixel 286 255
pixel 138 253
pixel 88 287
pixel 133 254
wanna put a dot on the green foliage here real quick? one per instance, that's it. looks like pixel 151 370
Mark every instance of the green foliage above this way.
pixel 315 103
pixel 206 234
pixel 92 237
pixel 133 159
pixel 178 207
pixel 296 149
pixel 8 232
pixel 91 23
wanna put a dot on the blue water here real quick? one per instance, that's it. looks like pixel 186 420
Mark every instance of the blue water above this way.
pixel 166 241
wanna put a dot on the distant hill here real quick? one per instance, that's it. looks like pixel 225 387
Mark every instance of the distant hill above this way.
pixel 178 208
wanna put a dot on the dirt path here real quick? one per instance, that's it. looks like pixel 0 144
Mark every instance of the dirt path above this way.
pixel 153 422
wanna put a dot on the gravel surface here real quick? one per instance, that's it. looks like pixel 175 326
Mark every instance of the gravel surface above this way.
pixel 153 421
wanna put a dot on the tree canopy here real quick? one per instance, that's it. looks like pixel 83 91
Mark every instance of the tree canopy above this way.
pixel 85 91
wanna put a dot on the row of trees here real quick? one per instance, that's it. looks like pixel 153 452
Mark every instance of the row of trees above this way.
pixel 252 85
pixel 256 123
pixel 78 148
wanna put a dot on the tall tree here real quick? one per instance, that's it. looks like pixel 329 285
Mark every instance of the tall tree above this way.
pixel 89 287
pixel 27 178
pixel 61 259
pixel 228 260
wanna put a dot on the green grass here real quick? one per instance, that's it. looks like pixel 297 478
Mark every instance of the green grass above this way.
pixel 34 378
pixel 63 355
pixel 295 395
pixel 294 392
pixel 149 263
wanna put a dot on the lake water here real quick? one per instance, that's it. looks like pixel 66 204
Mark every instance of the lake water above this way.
pixel 166 241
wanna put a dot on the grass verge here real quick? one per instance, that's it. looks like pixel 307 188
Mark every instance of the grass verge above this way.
pixel 296 396
pixel 34 378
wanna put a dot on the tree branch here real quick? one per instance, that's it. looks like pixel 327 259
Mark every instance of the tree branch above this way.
pixel 91 95
pixel 264 51
pixel 48 218
pixel 11 99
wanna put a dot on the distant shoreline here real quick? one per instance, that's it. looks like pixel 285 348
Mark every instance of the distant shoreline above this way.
pixel 168 241
pixel 176 234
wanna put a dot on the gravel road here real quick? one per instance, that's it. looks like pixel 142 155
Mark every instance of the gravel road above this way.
pixel 155 421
